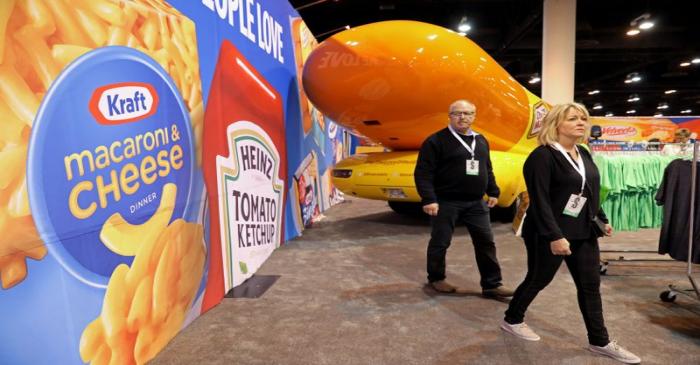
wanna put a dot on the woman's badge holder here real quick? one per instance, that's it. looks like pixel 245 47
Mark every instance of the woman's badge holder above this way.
pixel 574 205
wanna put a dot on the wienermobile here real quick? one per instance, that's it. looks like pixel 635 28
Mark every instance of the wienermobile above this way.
pixel 393 81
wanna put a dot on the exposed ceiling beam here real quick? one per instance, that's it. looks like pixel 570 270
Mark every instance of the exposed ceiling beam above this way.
pixel 517 33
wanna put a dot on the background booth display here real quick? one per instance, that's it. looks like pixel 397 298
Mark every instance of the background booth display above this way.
pixel 149 151
pixel 631 154
pixel 636 129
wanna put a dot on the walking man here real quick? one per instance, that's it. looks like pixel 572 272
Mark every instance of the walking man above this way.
pixel 453 173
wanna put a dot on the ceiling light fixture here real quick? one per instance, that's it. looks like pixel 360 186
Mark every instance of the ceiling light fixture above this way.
pixel 643 22
pixel 633 98
pixel 311 4
pixel 463 25
pixel 640 23
pixel 346 27
pixel 597 106
pixel 633 77
pixel 685 64
pixel 593 92
pixel 631 111
pixel 534 79
pixel 672 91
pixel 609 114
pixel 686 111
pixel 695 60
pixel 662 106
pixel 646 25
pixel 658 115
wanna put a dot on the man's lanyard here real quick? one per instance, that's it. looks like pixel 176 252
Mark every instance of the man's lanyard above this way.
pixel 469 148
pixel 581 168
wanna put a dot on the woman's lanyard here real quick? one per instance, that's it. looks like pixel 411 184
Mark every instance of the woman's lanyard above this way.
pixel 576 202
pixel 469 148
pixel 579 166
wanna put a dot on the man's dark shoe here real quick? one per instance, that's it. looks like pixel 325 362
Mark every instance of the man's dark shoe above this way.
pixel 501 291
pixel 444 287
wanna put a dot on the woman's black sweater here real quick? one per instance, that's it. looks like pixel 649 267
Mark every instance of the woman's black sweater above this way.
pixel 550 181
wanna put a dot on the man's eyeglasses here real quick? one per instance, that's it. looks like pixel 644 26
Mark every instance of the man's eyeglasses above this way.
pixel 462 114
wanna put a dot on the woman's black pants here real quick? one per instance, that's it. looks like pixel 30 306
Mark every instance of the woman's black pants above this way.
pixel 584 266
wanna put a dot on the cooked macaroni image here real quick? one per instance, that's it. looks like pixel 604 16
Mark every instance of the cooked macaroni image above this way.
pixel 38 38
pixel 145 304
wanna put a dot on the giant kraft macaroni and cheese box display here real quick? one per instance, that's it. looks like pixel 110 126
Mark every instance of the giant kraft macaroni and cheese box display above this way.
pixel 110 241
pixel 124 212
pixel 102 251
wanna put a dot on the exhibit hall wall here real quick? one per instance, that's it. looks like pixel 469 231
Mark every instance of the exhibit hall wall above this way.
pixel 153 155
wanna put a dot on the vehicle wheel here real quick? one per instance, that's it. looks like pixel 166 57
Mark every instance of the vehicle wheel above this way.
pixel 406 208
pixel 668 296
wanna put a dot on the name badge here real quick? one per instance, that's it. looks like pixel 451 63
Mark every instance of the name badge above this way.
pixel 574 206
pixel 472 167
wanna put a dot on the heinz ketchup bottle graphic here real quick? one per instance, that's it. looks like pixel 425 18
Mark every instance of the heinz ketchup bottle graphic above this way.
pixel 241 96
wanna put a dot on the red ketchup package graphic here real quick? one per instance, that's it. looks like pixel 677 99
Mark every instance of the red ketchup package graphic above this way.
pixel 244 167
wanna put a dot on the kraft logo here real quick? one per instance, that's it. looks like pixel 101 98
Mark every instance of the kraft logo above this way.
pixel 123 102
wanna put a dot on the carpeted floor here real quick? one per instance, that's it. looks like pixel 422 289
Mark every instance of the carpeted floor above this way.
pixel 352 291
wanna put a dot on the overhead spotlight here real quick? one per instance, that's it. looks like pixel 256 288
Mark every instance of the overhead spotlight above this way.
pixel 657 115
pixel 609 114
pixel 463 25
pixel 662 106
pixel 631 111
pixel 646 25
pixel 597 106
pixel 642 22
pixel 695 60
pixel 534 79
pixel 633 32
pixel 686 111
pixel 462 33
pixel 685 64
pixel 593 92
pixel 672 91
pixel 346 27
pixel 633 77
pixel 633 98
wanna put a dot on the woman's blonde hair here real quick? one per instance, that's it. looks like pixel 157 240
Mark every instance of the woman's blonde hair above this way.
pixel 554 118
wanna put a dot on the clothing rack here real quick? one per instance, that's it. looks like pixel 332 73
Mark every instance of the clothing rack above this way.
pixel 628 148
pixel 670 295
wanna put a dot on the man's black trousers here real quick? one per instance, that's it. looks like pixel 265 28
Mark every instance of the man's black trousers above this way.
pixel 475 216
